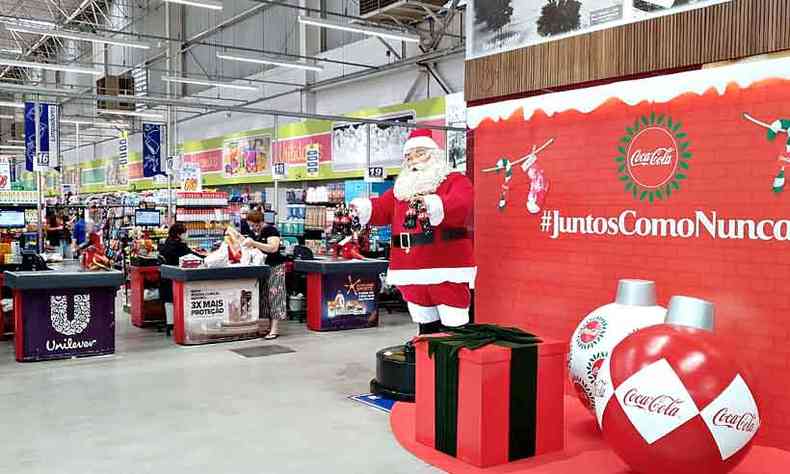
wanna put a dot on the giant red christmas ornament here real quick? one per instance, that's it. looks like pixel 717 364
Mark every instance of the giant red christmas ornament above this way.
pixel 592 341
pixel 670 400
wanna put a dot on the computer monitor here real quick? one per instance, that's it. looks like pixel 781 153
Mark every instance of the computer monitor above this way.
pixel 147 217
pixel 10 219
pixel 270 217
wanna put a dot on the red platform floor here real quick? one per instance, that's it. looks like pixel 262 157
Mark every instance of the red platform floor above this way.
pixel 585 450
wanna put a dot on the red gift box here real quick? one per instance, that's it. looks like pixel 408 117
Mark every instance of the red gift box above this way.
pixel 483 425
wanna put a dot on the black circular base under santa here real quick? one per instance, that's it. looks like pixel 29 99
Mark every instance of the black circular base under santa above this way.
pixel 394 374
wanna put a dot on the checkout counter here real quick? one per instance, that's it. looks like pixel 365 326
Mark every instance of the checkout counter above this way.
pixel 63 312
pixel 342 294
pixel 216 304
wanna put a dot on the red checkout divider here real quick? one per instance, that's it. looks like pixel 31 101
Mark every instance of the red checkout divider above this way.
pixel 144 312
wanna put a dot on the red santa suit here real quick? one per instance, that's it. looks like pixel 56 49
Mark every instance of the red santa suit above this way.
pixel 433 273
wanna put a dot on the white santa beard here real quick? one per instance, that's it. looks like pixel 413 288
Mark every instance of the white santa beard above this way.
pixel 420 179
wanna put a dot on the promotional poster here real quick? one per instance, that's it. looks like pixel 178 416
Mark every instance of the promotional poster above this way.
pixel 221 311
pixel 678 179
pixel 246 156
pixel 152 149
pixel 80 323
pixel 350 301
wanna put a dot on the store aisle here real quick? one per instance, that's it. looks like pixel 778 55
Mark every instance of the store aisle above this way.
pixel 155 408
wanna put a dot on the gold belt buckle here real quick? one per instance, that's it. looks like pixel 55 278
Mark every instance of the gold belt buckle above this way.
pixel 405 246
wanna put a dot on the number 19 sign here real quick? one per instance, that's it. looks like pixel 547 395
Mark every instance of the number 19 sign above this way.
pixel 375 174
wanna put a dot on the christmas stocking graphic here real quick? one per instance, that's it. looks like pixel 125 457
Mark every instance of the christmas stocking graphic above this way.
pixel 504 164
pixel 779 126
pixel 538 188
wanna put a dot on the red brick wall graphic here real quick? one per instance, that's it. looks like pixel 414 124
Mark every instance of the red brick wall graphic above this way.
pixel 663 179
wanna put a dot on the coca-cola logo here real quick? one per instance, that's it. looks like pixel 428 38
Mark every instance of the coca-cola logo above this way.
pixel 661 404
pixel 653 158
pixel 746 422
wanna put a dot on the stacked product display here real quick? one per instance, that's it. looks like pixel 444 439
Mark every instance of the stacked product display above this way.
pixel 205 214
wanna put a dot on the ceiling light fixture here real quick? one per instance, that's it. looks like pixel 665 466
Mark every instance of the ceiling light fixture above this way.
pixel 210 4
pixel 12 147
pixel 90 124
pixel 201 82
pixel 22 142
pixel 10 51
pixel 76 35
pixel 131 113
pixel 365 30
pixel 262 60
pixel 50 67
pixel 16 105
pixel 9 117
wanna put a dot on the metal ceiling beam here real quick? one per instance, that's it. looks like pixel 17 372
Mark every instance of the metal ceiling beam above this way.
pixel 344 15
pixel 193 104
pixel 81 8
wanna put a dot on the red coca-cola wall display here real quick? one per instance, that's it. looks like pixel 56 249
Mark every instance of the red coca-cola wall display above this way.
pixel 677 179
pixel 671 399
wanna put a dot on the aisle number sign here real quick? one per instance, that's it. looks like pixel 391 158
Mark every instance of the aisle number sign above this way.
pixel 313 158
pixel 123 147
pixel 375 174
pixel 279 171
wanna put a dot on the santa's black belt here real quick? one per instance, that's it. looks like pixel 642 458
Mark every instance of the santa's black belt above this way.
pixel 407 241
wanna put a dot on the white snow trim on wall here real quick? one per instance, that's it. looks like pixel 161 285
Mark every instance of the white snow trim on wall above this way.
pixel 658 89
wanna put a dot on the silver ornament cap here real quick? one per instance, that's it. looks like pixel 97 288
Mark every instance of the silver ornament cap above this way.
pixel 636 292
pixel 691 312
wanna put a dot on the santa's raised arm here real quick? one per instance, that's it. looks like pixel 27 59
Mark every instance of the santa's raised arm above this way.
pixel 431 257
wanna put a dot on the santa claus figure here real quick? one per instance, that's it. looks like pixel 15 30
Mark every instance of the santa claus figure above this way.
pixel 430 210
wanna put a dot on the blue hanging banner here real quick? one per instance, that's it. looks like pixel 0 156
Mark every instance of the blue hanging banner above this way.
pixel 30 135
pixel 47 135
pixel 152 150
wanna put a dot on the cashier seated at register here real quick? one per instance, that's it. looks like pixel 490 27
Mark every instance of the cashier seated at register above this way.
pixel 173 249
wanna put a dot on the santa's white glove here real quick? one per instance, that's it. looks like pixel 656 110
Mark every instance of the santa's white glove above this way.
pixel 435 208
pixel 776 127
pixel 364 209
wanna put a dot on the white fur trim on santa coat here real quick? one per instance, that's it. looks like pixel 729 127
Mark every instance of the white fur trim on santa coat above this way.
pixel 435 207
pixel 432 276
pixel 364 209
pixel 423 314
pixel 453 317
pixel 420 142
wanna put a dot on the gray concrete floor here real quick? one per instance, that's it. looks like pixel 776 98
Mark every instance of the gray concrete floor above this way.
pixel 155 407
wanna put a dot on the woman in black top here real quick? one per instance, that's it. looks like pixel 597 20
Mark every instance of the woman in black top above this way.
pixel 266 238
pixel 173 249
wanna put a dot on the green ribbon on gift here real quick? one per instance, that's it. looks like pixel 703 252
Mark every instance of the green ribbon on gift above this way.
pixel 523 383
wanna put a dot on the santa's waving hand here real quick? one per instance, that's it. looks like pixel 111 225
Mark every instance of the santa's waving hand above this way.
pixel 431 257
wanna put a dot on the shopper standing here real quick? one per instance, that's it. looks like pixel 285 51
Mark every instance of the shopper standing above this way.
pixel 170 252
pixel 266 238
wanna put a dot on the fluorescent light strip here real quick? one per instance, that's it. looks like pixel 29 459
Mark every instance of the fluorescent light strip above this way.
pixel 276 62
pixel 200 82
pixel 12 147
pixel 365 30
pixel 9 117
pixel 89 124
pixel 16 105
pixel 210 4
pixel 50 67
pixel 75 35
pixel 17 141
pixel 131 113
pixel 10 51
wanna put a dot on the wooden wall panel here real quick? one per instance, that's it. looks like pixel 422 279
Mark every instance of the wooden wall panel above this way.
pixel 733 30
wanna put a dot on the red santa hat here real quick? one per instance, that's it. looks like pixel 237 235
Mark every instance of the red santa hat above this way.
pixel 420 138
